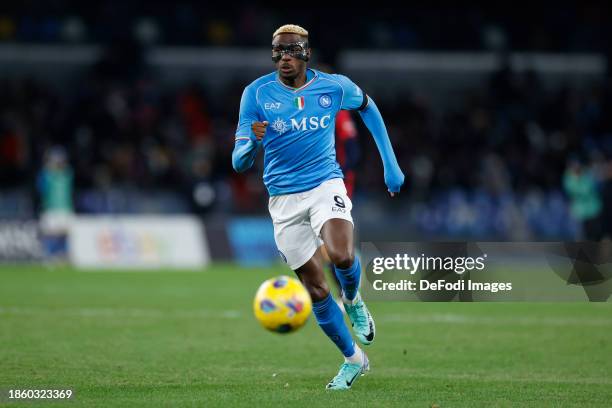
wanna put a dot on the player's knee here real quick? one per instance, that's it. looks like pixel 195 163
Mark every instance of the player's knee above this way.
pixel 342 258
pixel 318 290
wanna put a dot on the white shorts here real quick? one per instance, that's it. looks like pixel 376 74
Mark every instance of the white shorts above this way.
pixel 299 217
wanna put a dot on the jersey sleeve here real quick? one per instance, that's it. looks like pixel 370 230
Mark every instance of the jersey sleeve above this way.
pixel 248 114
pixel 353 97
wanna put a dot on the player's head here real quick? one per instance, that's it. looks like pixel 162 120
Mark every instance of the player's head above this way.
pixel 290 50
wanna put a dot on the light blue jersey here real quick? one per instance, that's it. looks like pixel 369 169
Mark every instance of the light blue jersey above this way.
pixel 299 150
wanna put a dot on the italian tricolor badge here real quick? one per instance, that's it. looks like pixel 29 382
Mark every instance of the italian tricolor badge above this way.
pixel 299 102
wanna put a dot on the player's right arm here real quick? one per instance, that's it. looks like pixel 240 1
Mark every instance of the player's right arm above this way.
pixel 249 132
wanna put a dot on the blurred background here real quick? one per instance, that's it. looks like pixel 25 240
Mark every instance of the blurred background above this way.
pixel 501 119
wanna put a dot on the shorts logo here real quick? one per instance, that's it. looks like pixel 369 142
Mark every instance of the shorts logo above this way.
pixel 283 256
pixel 280 126
pixel 340 206
pixel 325 101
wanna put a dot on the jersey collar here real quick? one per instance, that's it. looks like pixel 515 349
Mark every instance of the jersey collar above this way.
pixel 309 72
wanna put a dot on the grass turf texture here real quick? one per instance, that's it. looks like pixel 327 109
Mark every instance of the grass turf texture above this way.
pixel 189 339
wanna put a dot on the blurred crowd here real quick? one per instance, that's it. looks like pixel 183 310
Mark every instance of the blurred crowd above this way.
pixel 568 27
pixel 124 129
pixel 512 133
pixel 116 132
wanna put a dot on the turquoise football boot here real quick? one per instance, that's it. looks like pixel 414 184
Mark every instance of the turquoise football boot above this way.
pixel 361 319
pixel 348 374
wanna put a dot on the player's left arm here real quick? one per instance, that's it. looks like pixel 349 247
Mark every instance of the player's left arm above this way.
pixel 355 99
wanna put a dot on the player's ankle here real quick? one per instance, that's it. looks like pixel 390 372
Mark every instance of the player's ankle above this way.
pixel 356 358
pixel 352 301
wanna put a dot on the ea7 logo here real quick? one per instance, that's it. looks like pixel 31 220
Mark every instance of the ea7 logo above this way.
pixel 272 105
pixel 311 123
pixel 339 206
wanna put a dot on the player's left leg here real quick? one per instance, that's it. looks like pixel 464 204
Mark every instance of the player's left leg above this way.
pixel 330 319
pixel 326 311
pixel 337 234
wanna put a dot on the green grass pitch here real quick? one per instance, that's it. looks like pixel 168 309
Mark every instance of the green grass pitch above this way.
pixel 189 339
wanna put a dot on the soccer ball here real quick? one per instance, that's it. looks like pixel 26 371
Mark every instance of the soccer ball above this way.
pixel 282 304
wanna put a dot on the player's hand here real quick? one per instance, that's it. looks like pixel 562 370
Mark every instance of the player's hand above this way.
pixel 259 128
pixel 394 178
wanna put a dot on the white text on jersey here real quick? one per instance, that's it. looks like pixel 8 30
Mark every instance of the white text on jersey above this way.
pixel 312 123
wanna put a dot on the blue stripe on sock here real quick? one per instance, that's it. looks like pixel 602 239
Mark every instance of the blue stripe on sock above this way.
pixel 330 318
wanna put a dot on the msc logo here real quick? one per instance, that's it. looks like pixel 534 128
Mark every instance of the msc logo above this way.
pixel 311 123
pixel 272 105
pixel 280 126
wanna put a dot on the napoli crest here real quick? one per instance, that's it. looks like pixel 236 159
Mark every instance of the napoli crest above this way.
pixel 325 101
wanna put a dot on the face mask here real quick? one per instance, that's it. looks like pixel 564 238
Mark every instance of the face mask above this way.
pixel 295 50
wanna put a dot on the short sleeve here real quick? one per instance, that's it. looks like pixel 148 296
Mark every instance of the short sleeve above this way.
pixel 353 97
pixel 248 114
